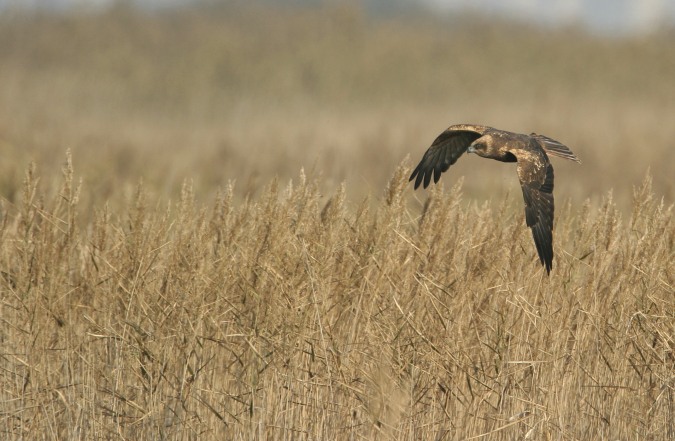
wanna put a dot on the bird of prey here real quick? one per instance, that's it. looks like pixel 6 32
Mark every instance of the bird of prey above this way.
pixel 534 170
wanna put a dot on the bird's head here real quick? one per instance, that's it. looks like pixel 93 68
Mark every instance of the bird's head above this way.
pixel 481 146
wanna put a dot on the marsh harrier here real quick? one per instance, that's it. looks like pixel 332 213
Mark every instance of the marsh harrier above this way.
pixel 534 170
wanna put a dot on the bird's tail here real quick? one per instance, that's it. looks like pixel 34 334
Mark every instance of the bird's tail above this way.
pixel 555 148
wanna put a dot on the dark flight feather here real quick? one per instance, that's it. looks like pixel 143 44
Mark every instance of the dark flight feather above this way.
pixel 539 209
pixel 444 151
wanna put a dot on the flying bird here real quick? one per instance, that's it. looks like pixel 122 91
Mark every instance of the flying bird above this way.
pixel 534 170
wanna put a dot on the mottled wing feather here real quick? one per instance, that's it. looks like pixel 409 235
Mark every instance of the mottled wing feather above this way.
pixel 444 151
pixel 554 147
pixel 536 180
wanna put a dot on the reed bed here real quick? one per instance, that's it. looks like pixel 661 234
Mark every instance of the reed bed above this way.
pixel 284 317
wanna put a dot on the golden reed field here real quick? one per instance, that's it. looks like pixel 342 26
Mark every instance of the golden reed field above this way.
pixel 207 230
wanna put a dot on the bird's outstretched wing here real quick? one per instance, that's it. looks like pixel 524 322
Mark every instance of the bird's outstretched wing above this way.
pixel 444 151
pixel 536 180
pixel 555 148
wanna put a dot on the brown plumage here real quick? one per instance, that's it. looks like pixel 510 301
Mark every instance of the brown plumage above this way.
pixel 534 170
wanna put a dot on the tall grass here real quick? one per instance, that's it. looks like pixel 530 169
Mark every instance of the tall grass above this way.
pixel 283 317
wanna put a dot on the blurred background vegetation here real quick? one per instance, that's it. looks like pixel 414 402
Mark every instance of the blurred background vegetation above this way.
pixel 246 91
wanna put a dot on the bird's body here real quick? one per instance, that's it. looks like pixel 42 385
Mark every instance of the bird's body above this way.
pixel 535 171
